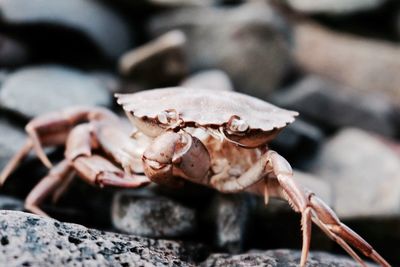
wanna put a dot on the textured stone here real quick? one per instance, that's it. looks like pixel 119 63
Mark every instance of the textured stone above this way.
pixel 151 216
pixel 336 105
pixel 231 218
pixel 364 173
pixel 36 90
pixel 338 7
pixel 348 59
pixel 211 79
pixel 104 28
pixel 247 42
pixel 30 240
pixel 277 258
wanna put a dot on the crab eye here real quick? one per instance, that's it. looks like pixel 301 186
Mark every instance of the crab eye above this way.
pixel 168 116
pixel 236 124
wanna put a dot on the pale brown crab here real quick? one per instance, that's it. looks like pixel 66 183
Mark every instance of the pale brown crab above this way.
pixel 217 139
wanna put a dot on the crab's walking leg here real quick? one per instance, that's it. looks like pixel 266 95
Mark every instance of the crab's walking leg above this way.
pixel 47 186
pixel 15 161
pixel 311 207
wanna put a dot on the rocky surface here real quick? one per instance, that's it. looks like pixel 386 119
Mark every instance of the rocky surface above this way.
pixel 152 216
pixel 30 240
pixel 36 90
pixel 232 40
pixel 335 105
pixel 105 29
pixel 364 174
pixel 275 258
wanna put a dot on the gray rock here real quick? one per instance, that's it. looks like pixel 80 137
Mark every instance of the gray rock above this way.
pixel 158 63
pixel 151 216
pixel 334 7
pixel 12 139
pixel 10 203
pixel 211 79
pixel 364 173
pixel 104 27
pixel 298 142
pixel 348 59
pixel 12 52
pixel 336 105
pixel 275 258
pixel 231 218
pixel 36 90
pixel 247 42
pixel 30 240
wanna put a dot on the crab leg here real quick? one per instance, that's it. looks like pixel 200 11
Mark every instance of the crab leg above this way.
pixel 47 186
pixel 52 129
pixel 312 208
pixel 15 161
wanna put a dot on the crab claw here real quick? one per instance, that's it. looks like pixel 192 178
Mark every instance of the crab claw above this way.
pixel 176 154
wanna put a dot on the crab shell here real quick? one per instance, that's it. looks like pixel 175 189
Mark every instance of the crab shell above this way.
pixel 241 119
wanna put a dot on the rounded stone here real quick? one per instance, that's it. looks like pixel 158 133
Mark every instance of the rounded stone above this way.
pixel 37 90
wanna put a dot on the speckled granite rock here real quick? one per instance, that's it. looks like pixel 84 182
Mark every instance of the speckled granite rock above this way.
pixel 30 240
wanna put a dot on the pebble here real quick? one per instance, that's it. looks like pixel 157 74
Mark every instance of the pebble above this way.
pixel 216 80
pixel 32 91
pixel 104 28
pixel 364 174
pixel 341 105
pixel 247 42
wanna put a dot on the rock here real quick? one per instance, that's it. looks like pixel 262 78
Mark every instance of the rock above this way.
pixel 364 174
pixel 298 142
pixel 151 216
pixel 336 105
pixel 247 42
pixel 104 28
pixel 159 63
pixel 348 59
pixel 37 90
pixel 12 139
pixel 30 240
pixel 231 218
pixel 334 7
pixel 10 203
pixel 211 79
pixel 12 52
pixel 278 257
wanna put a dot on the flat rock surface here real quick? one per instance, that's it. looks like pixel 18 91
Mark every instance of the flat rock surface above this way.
pixel 37 90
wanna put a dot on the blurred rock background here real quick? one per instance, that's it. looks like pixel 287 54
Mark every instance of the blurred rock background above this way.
pixel 336 62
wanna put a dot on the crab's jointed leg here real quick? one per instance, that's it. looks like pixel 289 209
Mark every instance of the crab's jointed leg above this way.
pixel 313 208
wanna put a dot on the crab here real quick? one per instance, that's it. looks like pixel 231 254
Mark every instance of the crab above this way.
pixel 219 140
